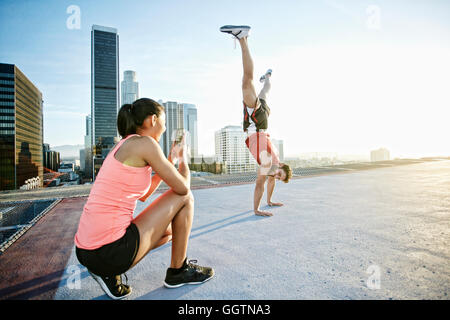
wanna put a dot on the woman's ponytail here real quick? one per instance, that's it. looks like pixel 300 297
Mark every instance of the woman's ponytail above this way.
pixel 126 124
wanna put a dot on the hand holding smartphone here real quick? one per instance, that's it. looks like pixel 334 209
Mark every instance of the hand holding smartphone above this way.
pixel 179 151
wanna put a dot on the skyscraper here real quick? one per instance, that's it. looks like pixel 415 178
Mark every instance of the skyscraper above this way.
pixel 180 116
pixel 190 124
pixel 88 149
pixel 21 129
pixel 104 91
pixel 129 87
pixel 381 154
pixel 51 159
pixel 174 120
pixel 278 145
pixel 231 150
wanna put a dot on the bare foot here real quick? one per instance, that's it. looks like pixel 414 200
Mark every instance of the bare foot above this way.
pixel 263 213
pixel 275 204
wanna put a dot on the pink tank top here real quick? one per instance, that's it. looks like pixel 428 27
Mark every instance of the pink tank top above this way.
pixel 112 200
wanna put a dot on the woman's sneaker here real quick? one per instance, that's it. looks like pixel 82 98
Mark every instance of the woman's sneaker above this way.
pixel 267 74
pixel 189 273
pixel 237 31
pixel 113 286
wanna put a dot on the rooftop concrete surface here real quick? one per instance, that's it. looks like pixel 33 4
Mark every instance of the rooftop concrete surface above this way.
pixel 334 234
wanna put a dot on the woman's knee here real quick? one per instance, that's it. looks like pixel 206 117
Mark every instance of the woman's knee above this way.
pixel 189 198
pixel 185 198
pixel 188 201
pixel 168 231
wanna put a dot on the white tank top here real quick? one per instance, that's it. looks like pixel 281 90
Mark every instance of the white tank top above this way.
pixel 252 127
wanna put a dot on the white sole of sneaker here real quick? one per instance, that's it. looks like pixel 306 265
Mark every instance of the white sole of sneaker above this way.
pixel 105 287
pixel 182 284
pixel 232 28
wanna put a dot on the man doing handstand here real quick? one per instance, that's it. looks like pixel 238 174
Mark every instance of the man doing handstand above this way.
pixel 256 113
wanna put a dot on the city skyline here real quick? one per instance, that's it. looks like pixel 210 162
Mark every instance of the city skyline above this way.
pixel 353 77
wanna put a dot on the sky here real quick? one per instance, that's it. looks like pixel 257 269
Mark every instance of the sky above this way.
pixel 349 76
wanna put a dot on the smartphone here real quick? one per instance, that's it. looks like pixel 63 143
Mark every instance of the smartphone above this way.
pixel 177 136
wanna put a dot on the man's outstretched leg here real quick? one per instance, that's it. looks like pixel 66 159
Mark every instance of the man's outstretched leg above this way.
pixel 267 85
pixel 248 89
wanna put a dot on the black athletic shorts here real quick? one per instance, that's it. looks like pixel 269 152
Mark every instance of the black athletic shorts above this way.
pixel 113 258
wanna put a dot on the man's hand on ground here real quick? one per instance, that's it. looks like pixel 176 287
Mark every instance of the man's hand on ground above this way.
pixel 275 204
pixel 263 213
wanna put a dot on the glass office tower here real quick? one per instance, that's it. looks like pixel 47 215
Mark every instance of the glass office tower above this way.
pixel 180 116
pixel 190 124
pixel 21 129
pixel 104 91
pixel 130 87
pixel 174 120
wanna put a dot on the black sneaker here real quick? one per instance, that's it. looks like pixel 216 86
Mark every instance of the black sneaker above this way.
pixel 189 273
pixel 237 31
pixel 267 74
pixel 113 286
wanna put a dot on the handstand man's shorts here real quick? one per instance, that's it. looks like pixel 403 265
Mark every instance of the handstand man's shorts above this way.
pixel 263 151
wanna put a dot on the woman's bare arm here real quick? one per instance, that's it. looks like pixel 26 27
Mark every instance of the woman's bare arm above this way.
pixel 177 180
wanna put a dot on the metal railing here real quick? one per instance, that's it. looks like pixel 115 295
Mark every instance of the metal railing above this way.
pixel 206 179
pixel 17 217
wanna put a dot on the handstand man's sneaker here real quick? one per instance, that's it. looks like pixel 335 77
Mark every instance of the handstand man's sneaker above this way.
pixel 267 74
pixel 238 31
pixel 189 273
pixel 113 286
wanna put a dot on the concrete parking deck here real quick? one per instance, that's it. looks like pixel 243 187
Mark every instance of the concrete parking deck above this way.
pixel 334 235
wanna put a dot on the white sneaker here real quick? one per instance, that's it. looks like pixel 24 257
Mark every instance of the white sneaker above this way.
pixel 238 31
pixel 267 74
